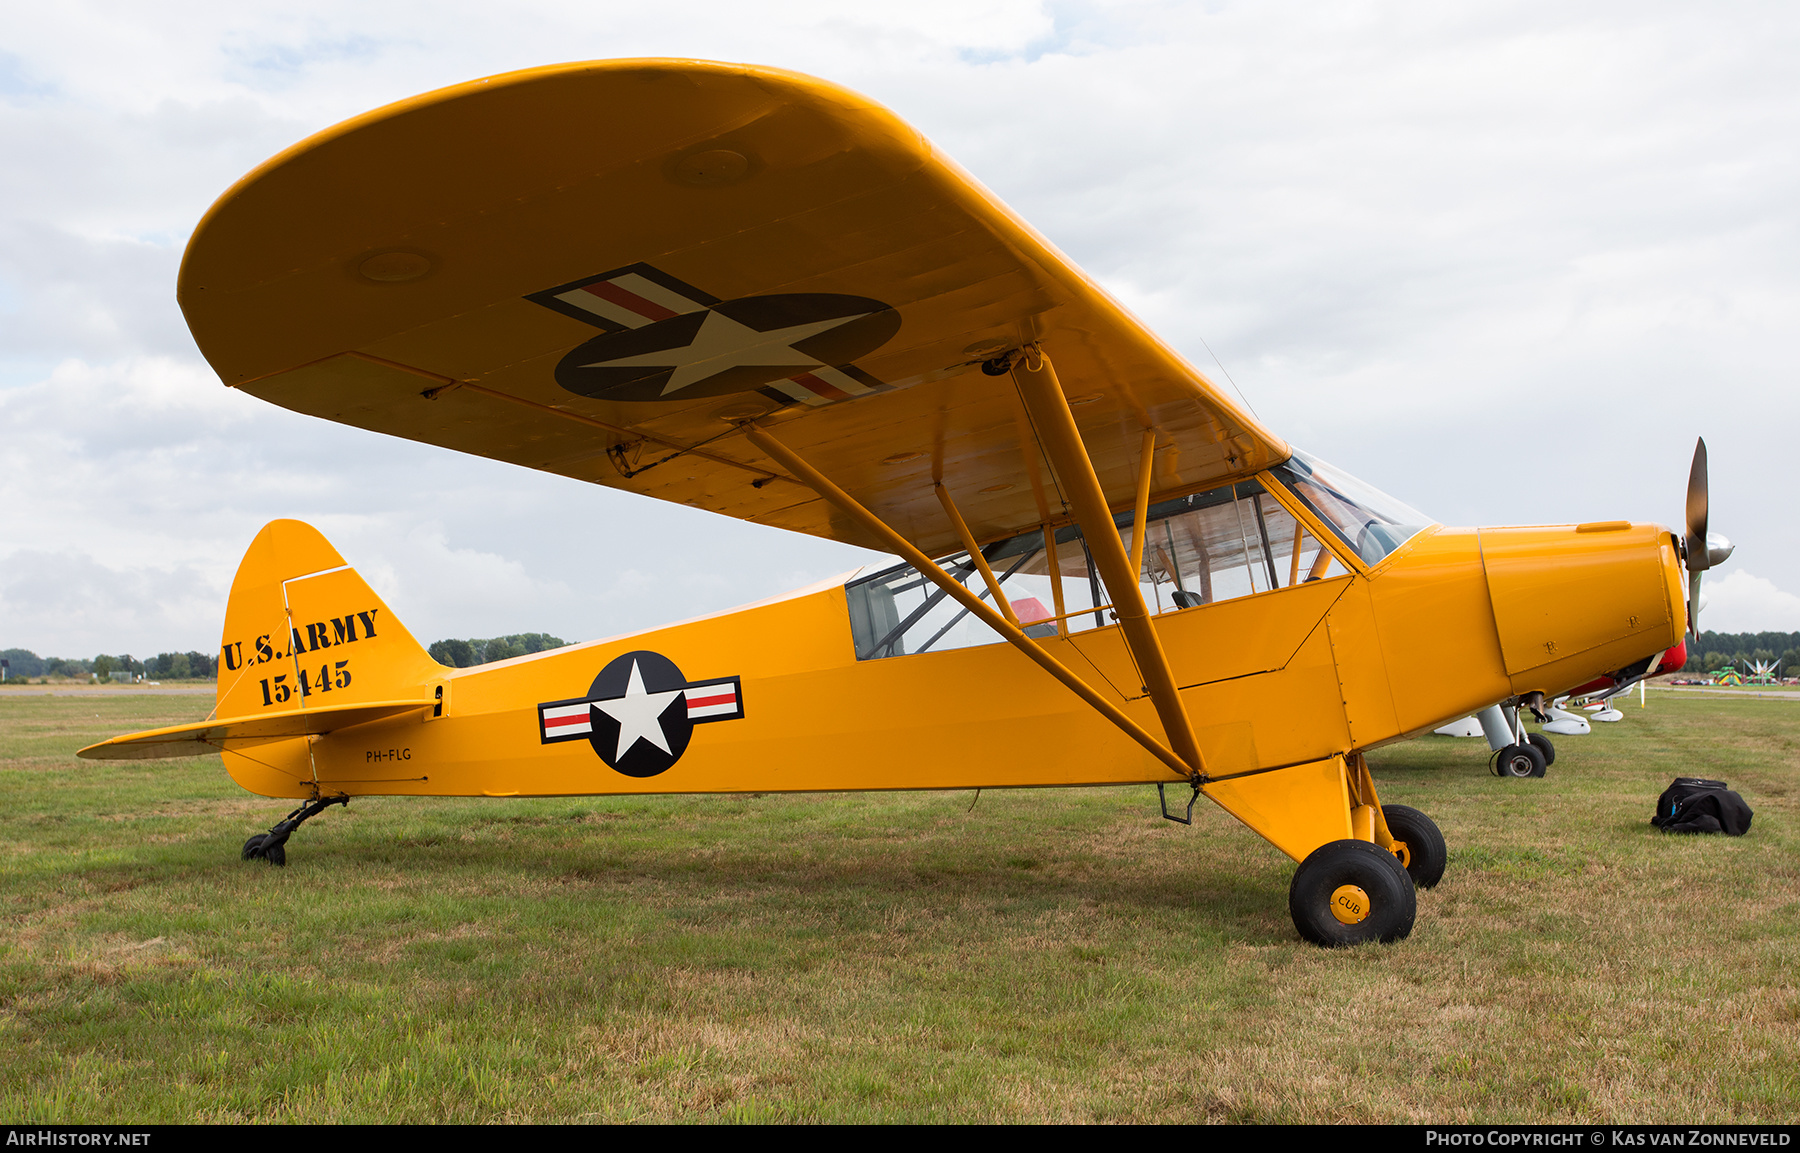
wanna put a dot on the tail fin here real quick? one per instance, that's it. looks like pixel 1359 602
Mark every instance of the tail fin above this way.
pixel 304 631
pixel 309 648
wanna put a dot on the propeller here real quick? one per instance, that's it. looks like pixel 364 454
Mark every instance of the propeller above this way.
pixel 1704 550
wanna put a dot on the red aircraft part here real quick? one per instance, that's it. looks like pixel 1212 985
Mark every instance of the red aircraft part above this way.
pixel 1671 662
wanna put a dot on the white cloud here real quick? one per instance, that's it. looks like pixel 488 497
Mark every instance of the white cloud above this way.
pixel 1740 602
pixel 1505 260
pixel 67 604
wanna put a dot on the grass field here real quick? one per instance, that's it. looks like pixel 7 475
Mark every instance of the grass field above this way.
pixel 1054 955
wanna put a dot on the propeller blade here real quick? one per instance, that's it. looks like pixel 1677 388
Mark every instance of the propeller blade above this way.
pixel 1694 604
pixel 1696 515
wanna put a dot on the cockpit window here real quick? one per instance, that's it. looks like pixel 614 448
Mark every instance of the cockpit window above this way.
pixel 1369 521
pixel 1234 541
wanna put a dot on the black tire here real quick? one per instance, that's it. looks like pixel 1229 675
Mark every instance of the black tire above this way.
pixel 1521 761
pixel 253 847
pixel 276 854
pixel 1377 872
pixel 1425 850
pixel 1543 746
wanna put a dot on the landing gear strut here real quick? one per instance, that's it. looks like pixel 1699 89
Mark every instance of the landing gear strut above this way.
pixel 269 845
pixel 1516 753
pixel 1364 888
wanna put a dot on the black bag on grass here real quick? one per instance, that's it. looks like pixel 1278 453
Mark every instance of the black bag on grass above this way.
pixel 1697 805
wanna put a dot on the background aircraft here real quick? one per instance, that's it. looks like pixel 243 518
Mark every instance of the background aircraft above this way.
pixel 753 292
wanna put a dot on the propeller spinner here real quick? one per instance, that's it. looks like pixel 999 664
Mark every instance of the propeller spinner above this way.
pixel 1704 550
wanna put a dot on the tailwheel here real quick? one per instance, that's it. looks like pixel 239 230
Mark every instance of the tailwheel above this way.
pixel 272 845
pixel 1426 853
pixel 1350 893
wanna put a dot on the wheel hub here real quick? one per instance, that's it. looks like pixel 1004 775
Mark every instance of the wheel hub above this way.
pixel 1349 904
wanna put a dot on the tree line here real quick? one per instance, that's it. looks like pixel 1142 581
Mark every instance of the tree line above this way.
pixel 461 654
pixel 1716 650
pixel 23 664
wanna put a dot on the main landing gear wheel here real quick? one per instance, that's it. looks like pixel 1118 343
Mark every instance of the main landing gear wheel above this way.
pixel 1543 745
pixel 1352 892
pixel 1425 850
pixel 1520 761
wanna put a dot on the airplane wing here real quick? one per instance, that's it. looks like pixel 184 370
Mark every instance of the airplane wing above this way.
pixel 600 270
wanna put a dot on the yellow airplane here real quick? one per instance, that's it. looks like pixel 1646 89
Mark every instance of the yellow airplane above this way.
pixel 754 292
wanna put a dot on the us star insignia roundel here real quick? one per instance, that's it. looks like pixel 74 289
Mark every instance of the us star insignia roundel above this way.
pixel 665 340
pixel 640 713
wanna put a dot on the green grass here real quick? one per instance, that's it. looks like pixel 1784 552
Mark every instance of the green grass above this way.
pixel 1049 955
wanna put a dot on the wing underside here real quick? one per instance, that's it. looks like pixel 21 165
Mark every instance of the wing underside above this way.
pixel 601 270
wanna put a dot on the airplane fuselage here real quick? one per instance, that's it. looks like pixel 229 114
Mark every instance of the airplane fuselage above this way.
pixel 774 697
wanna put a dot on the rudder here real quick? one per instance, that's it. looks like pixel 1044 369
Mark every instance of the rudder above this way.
pixel 303 630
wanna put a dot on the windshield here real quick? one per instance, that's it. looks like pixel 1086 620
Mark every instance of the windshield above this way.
pixel 1369 520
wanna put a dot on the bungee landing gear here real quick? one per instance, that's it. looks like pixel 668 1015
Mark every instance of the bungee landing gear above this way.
pixel 1364 888
pixel 270 846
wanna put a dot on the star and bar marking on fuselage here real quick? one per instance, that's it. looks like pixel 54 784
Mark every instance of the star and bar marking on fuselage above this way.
pixel 640 713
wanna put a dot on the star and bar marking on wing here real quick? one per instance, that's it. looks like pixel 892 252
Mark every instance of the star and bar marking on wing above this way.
pixel 640 713
pixel 663 339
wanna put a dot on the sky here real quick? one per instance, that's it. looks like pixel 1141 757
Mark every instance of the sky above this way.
pixel 1503 260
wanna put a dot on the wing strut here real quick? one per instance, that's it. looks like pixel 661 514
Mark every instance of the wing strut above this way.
pixel 1061 440
pixel 1140 521
pixel 968 539
pixel 904 548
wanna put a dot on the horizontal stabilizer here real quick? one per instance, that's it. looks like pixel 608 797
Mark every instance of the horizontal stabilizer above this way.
pixel 204 737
